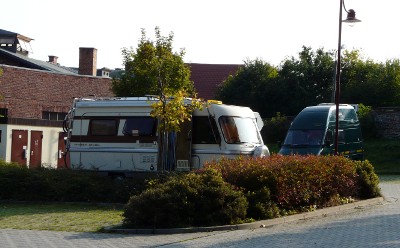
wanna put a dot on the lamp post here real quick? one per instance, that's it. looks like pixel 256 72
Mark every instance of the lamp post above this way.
pixel 351 18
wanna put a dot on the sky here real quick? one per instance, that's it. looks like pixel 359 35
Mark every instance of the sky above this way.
pixel 210 31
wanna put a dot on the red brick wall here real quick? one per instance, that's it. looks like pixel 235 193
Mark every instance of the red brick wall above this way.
pixel 87 61
pixel 27 92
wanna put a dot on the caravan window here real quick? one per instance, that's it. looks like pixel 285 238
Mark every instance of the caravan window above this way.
pixel 140 126
pixel 103 127
pixel 205 130
pixel 239 130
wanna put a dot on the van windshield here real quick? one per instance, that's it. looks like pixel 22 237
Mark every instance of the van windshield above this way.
pixel 239 130
pixel 304 137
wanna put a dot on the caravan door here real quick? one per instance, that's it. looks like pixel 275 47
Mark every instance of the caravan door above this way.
pixel 206 141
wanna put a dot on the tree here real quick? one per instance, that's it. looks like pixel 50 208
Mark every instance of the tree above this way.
pixel 307 80
pixel 368 82
pixel 154 69
pixel 249 85
pixel 297 83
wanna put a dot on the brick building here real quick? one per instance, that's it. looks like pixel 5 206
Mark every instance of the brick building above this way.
pixel 36 95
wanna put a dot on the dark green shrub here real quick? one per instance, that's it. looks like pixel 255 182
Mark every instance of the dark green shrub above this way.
pixel 275 129
pixel 192 199
pixel 9 164
pixel 367 180
pixel 256 178
pixel 64 185
pixel 261 204
pixel 367 121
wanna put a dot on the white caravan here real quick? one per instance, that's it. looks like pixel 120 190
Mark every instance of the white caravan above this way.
pixel 118 135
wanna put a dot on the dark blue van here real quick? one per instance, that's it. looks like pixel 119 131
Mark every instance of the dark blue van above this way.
pixel 312 132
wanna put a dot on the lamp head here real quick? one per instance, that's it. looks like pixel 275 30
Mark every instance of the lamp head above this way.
pixel 351 17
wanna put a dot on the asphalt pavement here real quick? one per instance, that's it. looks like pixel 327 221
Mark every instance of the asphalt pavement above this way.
pixel 373 223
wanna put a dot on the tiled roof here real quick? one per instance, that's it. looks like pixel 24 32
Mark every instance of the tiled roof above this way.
pixel 207 77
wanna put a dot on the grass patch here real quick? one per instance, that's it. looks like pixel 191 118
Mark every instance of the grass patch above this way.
pixel 58 217
pixel 384 155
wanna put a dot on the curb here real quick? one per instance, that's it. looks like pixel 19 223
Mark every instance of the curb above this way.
pixel 253 225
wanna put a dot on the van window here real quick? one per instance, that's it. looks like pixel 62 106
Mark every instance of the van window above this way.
pixel 103 127
pixel 239 130
pixel 304 137
pixel 348 115
pixel 140 126
pixel 205 131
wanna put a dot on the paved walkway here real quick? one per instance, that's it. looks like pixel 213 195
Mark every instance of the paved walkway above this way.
pixel 370 226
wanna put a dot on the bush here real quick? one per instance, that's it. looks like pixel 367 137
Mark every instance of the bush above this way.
pixel 275 129
pixel 227 191
pixel 294 183
pixel 25 184
pixel 192 199
pixel 367 180
pixel 367 121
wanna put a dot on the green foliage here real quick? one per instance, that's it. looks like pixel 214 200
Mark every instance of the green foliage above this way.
pixel 64 185
pixel 384 155
pixel 261 204
pixel 153 68
pixel 249 86
pixel 367 180
pixel 367 121
pixel 306 80
pixel 275 129
pixel 193 199
pixel 172 112
pixel 374 84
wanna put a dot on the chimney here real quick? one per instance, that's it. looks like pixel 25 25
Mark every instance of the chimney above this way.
pixel 53 59
pixel 87 61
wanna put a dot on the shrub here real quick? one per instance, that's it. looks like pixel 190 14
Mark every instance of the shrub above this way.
pixel 192 199
pixel 275 129
pixel 293 183
pixel 261 204
pixel 367 121
pixel 304 181
pixel 25 184
pixel 367 180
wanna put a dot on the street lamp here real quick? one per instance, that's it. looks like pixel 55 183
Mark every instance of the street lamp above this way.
pixel 351 19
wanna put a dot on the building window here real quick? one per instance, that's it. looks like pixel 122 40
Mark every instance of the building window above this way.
pixel 3 112
pixel 53 116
